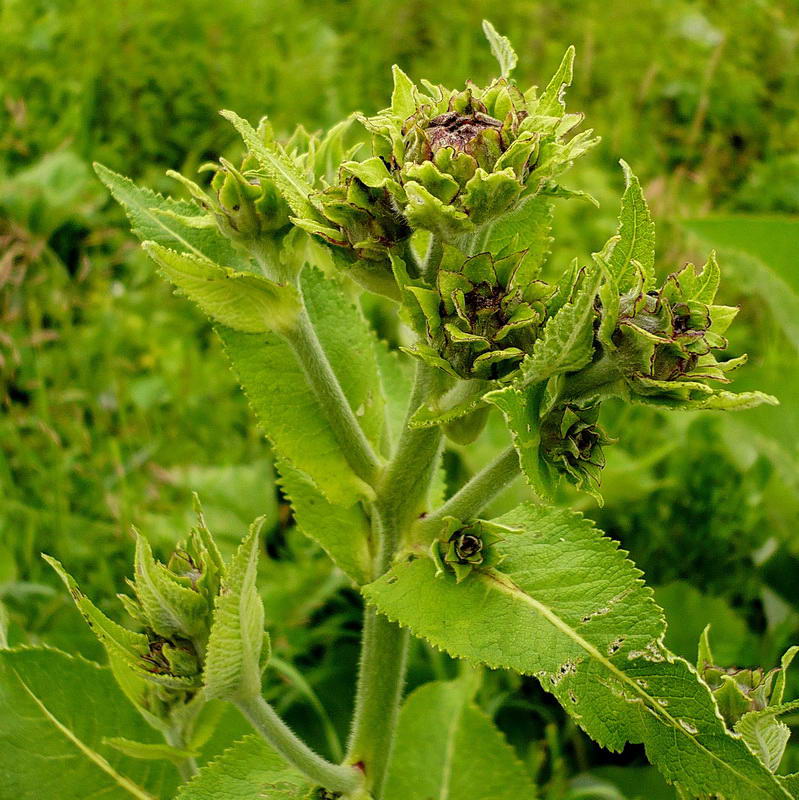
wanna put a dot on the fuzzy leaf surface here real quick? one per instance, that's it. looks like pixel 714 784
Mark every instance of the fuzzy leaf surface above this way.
pixel 233 661
pixel 636 232
pixel 156 218
pixel 57 711
pixel 565 605
pixel 446 747
pixel 287 407
pixel 249 770
pixel 241 300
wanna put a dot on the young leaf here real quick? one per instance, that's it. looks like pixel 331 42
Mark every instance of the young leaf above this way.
pixel 501 49
pixel 149 751
pixel 447 747
pixel 241 300
pixel 403 102
pixel 521 408
pixel 159 219
pixel 250 770
pixel 551 101
pixel 278 166
pixel 636 245
pixel 343 533
pixel 233 661
pixel 565 605
pixel 58 710
pixel 765 734
pixel 567 342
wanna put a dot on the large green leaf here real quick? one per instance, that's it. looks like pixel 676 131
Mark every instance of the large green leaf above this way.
pixel 344 533
pixel 565 605
pixel 286 405
pixel 233 661
pixel 446 747
pixel 56 712
pixel 241 300
pixel 177 224
pixel 249 770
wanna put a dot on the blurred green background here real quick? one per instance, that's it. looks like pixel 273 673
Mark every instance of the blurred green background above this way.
pixel 116 402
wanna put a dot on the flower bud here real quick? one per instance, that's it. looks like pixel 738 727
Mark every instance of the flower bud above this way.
pixel 464 547
pixel 483 316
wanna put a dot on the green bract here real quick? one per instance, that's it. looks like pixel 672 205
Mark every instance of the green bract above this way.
pixel 483 316
pixel 461 547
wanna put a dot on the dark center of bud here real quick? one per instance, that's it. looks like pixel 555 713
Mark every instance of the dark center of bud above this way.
pixel 457 130
pixel 467 545
pixel 586 440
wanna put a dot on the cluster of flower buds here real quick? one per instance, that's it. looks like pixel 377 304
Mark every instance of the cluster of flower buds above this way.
pixel 463 547
pixel 160 666
pixel 483 316
pixel 449 161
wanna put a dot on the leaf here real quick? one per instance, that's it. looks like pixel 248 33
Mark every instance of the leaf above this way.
pixel 446 747
pixel 528 228
pixel 278 166
pixel 566 606
pixel 241 300
pixel 158 219
pixel 149 751
pixel 344 533
pixel 636 245
pixel 56 711
pixel 501 49
pixel 550 103
pixel 287 407
pixel 249 770
pixel 233 661
pixel 567 342
pixel 521 408
pixel 765 735
pixel 403 102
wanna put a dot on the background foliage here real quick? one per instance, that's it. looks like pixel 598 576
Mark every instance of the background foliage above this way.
pixel 117 402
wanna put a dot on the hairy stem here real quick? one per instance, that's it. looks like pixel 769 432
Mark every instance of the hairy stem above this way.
pixel 473 496
pixel 306 345
pixel 401 493
pixel 187 768
pixel 335 777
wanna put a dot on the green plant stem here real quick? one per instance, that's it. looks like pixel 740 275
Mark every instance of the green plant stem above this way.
pixel 402 491
pixel 306 345
pixel 473 496
pixel 335 777
pixel 187 768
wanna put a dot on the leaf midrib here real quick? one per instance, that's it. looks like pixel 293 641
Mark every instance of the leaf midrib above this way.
pixel 125 783
pixel 508 586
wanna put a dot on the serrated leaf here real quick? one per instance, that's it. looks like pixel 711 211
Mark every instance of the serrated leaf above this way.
pixel 278 166
pixel 521 408
pixel 241 300
pixel 287 407
pixel 446 747
pixel 233 661
pixel 249 770
pixel 567 342
pixel 528 228
pixel 159 219
pixel 56 712
pixel 766 735
pixel 550 103
pixel 636 232
pixel 501 49
pixel 565 605
pixel 344 533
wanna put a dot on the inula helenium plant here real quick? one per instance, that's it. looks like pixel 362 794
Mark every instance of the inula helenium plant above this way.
pixel 441 204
